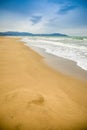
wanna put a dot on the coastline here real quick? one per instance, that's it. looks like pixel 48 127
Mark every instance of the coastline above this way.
pixel 36 97
pixel 62 65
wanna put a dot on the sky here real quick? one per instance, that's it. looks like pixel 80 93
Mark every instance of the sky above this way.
pixel 44 16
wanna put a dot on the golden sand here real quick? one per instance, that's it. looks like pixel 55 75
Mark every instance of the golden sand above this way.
pixel 35 97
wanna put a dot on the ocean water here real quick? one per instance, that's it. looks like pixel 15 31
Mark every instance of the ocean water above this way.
pixel 71 48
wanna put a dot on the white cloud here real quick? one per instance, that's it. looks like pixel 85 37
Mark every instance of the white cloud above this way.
pixel 50 22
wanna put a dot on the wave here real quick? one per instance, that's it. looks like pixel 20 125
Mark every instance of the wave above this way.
pixel 68 48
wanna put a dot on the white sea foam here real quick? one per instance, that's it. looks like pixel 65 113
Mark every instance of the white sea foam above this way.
pixel 69 48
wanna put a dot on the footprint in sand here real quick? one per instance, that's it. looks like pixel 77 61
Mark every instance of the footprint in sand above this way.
pixel 24 97
pixel 38 100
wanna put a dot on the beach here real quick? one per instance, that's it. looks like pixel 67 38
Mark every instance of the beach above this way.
pixel 64 66
pixel 33 96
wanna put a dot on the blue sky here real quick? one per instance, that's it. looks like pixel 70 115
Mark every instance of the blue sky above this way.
pixel 44 16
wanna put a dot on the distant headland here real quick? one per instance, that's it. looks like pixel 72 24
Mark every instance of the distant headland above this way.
pixel 11 33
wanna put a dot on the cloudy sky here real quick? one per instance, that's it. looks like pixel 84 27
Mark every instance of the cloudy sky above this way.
pixel 44 16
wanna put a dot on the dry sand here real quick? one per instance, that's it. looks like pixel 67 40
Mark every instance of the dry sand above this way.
pixel 35 97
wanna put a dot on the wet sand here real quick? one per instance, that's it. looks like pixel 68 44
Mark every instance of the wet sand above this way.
pixel 64 66
pixel 35 97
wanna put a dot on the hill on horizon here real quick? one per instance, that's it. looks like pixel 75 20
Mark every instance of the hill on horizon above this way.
pixel 11 33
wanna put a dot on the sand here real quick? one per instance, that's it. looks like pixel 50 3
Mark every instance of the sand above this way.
pixel 62 65
pixel 33 96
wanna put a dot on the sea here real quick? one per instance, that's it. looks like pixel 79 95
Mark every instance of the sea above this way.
pixel 71 48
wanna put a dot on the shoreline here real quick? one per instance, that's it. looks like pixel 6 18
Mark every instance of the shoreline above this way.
pixel 73 52
pixel 62 65
pixel 35 97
